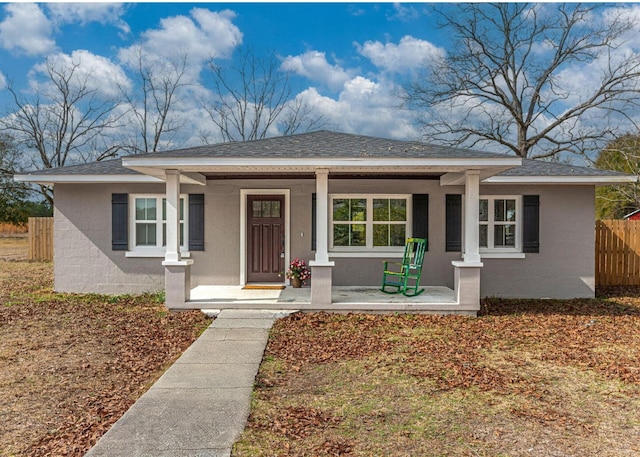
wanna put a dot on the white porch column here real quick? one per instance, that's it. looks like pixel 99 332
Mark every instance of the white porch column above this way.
pixel 172 253
pixel 467 272
pixel 177 272
pixel 471 217
pixel 321 268
pixel 322 214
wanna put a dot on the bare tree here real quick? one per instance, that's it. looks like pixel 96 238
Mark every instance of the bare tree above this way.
pixel 509 80
pixel 158 84
pixel 65 121
pixel 621 154
pixel 253 101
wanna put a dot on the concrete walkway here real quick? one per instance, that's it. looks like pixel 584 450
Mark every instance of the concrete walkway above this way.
pixel 200 406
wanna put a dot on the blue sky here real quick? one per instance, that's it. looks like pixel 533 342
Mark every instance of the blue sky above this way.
pixel 341 55
pixel 348 60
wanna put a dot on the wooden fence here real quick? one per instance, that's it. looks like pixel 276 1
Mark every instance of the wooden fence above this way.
pixel 617 253
pixel 40 238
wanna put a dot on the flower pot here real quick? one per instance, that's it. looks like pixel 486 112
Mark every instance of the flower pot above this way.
pixel 296 283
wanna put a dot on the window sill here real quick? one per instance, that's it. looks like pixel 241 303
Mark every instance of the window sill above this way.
pixel 363 255
pixel 502 255
pixel 152 254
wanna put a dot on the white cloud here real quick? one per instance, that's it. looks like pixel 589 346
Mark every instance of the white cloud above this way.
pixel 85 13
pixel 409 54
pixel 314 66
pixel 26 29
pixel 405 13
pixel 363 107
pixel 203 35
pixel 3 81
pixel 96 72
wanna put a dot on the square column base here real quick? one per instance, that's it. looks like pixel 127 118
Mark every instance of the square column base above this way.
pixel 321 282
pixel 466 283
pixel 177 283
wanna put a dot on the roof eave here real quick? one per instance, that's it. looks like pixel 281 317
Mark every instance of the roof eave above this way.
pixel 602 180
pixel 51 179
pixel 152 165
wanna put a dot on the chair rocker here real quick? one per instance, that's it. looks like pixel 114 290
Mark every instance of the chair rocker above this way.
pixel 410 270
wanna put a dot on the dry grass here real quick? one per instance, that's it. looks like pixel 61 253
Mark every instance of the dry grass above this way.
pixel 70 365
pixel 528 378
pixel 14 247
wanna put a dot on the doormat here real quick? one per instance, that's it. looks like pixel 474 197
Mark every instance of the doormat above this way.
pixel 264 286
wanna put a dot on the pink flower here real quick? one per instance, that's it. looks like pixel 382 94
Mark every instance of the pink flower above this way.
pixel 298 269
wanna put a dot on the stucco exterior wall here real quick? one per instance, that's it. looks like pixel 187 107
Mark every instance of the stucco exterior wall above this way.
pixel 565 265
pixel 84 261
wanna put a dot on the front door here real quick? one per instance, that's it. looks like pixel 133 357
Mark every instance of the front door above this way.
pixel 265 238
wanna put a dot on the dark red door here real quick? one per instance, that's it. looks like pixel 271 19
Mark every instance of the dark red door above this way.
pixel 265 238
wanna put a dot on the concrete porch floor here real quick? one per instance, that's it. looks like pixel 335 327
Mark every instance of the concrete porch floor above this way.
pixel 435 299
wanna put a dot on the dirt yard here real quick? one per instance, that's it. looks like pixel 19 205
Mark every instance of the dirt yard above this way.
pixel 71 365
pixel 527 378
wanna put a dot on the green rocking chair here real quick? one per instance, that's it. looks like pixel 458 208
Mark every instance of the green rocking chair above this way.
pixel 410 270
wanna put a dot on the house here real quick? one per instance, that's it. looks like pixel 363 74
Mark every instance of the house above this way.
pixel 233 214
pixel 632 216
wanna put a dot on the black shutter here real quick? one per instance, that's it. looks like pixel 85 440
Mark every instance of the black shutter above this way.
pixel 313 221
pixel 421 217
pixel 453 223
pixel 530 223
pixel 196 222
pixel 119 222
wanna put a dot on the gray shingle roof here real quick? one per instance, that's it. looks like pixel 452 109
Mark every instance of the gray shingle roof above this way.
pixel 542 168
pixel 104 167
pixel 325 144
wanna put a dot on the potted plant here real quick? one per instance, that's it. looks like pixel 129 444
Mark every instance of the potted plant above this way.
pixel 298 272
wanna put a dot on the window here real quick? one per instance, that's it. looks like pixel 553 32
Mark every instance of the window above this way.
pixel 369 222
pixel 149 221
pixel 500 224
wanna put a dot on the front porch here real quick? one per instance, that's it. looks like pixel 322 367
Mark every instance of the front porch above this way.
pixel 435 299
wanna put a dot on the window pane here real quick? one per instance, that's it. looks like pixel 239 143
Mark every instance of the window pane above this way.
pixel 341 235
pixel 380 209
pixel 398 209
pixel 504 236
pixel 145 234
pixel 484 236
pixel 398 235
pixel 499 211
pixel 511 210
pixel 358 235
pixel 380 235
pixel 145 209
pixel 340 209
pixel 274 209
pixel 484 210
pixel 257 208
pixel 164 209
pixel 358 209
